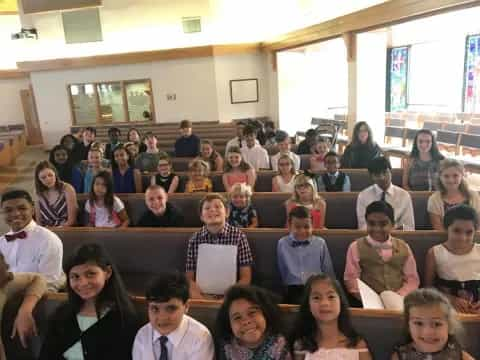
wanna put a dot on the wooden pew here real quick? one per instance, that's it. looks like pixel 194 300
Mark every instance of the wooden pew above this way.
pixel 359 178
pixel 381 329
pixel 142 252
pixel 341 208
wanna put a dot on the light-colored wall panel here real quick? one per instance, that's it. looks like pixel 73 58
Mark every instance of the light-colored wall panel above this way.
pixel 10 102
pixel 37 6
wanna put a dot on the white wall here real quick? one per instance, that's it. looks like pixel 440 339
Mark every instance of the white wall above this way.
pixel 201 86
pixel 244 66
pixel 193 82
pixel 10 102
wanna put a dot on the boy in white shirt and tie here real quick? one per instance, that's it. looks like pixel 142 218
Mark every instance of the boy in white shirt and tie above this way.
pixel 380 172
pixel 170 333
pixel 29 247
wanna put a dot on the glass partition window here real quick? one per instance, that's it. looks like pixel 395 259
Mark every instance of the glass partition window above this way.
pixel 139 99
pixel 111 102
pixel 84 105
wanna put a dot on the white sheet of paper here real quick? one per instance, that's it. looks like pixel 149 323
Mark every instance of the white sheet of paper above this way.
pixel 216 268
pixel 370 299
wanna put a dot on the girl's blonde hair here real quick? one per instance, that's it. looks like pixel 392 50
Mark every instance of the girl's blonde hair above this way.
pixel 302 179
pixel 199 164
pixel 242 189
pixel 452 163
pixel 290 160
pixel 426 297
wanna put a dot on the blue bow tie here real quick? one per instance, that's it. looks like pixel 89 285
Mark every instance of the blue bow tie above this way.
pixel 296 243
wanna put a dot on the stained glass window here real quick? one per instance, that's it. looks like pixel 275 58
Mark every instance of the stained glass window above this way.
pixel 471 95
pixel 397 78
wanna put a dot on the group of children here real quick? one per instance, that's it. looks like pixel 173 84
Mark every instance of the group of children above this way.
pixel 98 321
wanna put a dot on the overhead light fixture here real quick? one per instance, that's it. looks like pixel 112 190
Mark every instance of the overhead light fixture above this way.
pixel 26 34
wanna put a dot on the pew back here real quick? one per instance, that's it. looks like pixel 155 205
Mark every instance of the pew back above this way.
pixel 341 208
pixel 141 253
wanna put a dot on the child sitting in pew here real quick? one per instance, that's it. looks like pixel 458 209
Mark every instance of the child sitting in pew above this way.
pixel 452 191
pixel 165 177
pixel 198 180
pixel 216 231
pixel 305 194
pixel 237 170
pixel 333 180
pixel 242 214
pixel 301 254
pixel 431 328
pixel 171 333
pixel 160 212
pixel 126 179
pixel 103 208
pixel 317 159
pixel 94 166
pixel 284 181
pixel 379 260
pixel 248 326
pixel 147 161
pixel 454 266
pixel 98 321
pixel 283 143
pixel 380 171
pixel 323 329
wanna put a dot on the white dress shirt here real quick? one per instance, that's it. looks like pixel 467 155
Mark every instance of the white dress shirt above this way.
pixel 292 155
pixel 256 156
pixel 40 252
pixel 397 197
pixel 191 340
pixel 236 142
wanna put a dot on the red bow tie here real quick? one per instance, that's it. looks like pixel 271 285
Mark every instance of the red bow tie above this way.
pixel 18 235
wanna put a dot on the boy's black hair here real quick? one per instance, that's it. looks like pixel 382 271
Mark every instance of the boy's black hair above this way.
pixel 311 133
pixel 91 129
pixel 331 153
pixel 460 212
pixel 16 194
pixel 281 136
pixel 299 212
pixel 379 165
pixel 381 207
pixel 258 296
pixel 168 285
pixel 114 129
pixel 249 130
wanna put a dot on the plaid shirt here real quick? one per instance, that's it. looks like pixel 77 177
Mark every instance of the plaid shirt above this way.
pixel 230 235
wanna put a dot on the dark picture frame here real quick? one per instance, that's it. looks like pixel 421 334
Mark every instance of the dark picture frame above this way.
pixel 243 91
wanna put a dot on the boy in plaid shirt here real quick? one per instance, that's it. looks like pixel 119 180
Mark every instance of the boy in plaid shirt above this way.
pixel 214 213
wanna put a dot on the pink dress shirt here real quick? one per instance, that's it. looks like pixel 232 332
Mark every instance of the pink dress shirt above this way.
pixel 411 280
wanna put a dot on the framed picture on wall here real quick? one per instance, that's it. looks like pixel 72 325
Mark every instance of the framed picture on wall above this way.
pixel 243 91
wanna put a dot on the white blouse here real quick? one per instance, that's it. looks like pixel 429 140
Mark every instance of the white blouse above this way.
pixel 450 266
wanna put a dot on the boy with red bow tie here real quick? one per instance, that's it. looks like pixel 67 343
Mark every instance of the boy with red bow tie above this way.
pixel 29 247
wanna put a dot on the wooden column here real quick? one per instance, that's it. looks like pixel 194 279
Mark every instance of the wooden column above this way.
pixel 350 40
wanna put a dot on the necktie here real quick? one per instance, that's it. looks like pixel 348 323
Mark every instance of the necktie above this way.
pixel 333 178
pixel 163 348
pixel 384 195
pixel 18 235
pixel 296 243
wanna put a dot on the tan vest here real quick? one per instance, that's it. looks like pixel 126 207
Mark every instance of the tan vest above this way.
pixel 378 274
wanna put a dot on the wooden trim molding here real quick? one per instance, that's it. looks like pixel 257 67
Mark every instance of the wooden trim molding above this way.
pixel 387 13
pixel 13 74
pixel 138 57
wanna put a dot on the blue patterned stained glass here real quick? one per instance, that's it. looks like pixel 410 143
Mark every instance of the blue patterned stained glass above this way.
pixel 398 78
pixel 471 95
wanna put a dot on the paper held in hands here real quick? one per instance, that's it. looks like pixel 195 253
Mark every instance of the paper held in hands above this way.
pixel 387 299
pixel 216 268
